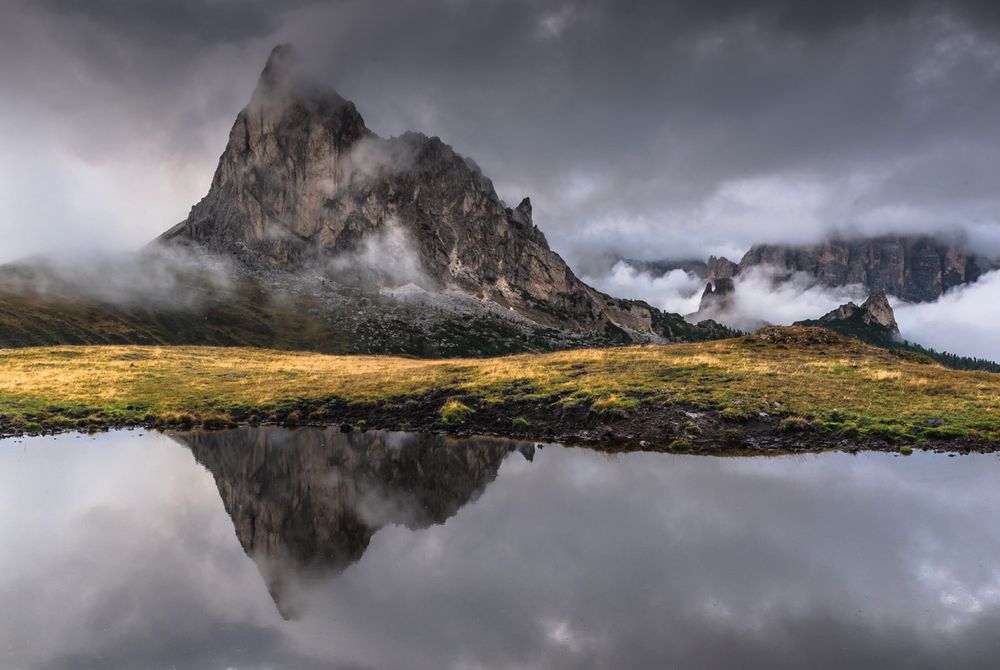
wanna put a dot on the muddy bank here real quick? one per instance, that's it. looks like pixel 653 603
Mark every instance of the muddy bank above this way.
pixel 645 426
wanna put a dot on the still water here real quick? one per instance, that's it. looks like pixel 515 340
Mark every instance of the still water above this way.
pixel 268 548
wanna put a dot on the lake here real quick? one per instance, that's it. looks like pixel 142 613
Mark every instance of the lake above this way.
pixel 271 548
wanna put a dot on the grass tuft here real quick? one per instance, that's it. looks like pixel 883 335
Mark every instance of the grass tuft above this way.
pixel 614 404
pixel 454 413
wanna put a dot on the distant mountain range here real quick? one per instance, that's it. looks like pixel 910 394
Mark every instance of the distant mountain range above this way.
pixel 915 268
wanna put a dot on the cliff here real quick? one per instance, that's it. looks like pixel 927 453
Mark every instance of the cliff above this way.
pixel 911 267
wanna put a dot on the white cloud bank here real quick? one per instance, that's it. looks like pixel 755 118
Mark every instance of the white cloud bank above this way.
pixel 677 291
pixel 964 321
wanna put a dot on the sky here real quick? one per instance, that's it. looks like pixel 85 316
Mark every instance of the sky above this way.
pixel 651 130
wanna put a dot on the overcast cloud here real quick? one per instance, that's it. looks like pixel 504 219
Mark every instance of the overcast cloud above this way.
pixel 668 129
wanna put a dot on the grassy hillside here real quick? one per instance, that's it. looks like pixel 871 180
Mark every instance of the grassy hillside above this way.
pixel 296 317
pixel 883 337
pixel 802 383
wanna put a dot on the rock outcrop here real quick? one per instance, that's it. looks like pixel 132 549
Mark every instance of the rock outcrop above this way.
pixel 873 321
pixel 662 268
pixel 717 296
pixel 914 268
pixel 720 268
pixel 303 184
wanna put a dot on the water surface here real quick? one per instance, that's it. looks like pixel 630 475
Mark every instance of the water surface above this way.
pixel 268 548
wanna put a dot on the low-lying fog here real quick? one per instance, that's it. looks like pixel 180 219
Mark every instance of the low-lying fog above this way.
pixel 962 321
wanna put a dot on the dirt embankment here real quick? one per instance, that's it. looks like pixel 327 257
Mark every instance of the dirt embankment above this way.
pixel 644 426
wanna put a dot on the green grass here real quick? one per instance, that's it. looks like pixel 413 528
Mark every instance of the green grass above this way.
pixel 614 403
pixel 454 413
pixel 842 386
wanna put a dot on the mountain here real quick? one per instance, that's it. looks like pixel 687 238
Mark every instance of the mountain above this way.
pixel 915 268
pixel 873 321
pixel 304 185
pixel 911 267
pixel 334 239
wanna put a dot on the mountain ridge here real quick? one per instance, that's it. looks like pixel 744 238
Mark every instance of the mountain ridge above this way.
pixel 912 267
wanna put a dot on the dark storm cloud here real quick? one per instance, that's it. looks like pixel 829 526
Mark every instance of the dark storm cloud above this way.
pixel 665 129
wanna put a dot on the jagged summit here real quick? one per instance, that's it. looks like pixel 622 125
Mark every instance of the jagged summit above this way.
pixel 284 85
pixel 878 310
pixel 303 184
pixel 873 321
pixel 875 312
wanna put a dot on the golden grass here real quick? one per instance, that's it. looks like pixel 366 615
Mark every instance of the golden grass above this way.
pixel 846 385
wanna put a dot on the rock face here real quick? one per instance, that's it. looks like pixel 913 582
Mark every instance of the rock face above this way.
pixel 717 295
pixel 662 268
pixel 873 321
pixel 875 311
pixel 307 502
pixel 303 184
pixel 914 268
pixel 720 268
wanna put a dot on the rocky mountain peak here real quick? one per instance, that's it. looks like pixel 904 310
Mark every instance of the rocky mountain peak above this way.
pixel 284 89
pixel 718 295
pixel 720 267
pixel 304 187
pixel 522 212
pixel 878 310
pixel 281 76
pixel 874 315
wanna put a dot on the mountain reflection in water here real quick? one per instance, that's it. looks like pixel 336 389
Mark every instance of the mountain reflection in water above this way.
pixel 421 552
pixel 307 501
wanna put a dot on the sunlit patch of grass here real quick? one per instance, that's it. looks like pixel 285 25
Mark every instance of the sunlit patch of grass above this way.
pixel 844 387
pixel 614 403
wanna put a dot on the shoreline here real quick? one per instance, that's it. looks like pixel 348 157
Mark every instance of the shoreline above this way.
pixel 670 429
